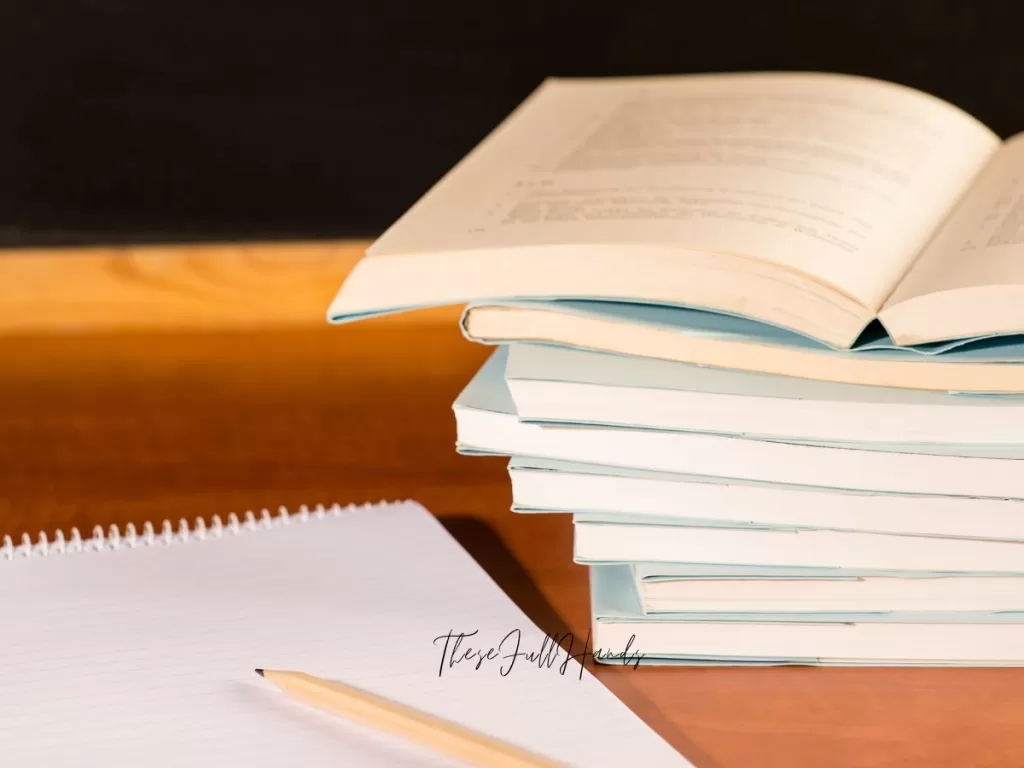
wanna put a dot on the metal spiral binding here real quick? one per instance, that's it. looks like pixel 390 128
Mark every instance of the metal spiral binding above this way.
pixel 168 535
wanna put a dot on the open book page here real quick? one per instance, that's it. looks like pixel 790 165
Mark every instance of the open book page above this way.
pixel 838 177
pixel 970 279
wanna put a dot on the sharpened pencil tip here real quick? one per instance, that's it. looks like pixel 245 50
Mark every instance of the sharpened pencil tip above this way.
pixel 259 672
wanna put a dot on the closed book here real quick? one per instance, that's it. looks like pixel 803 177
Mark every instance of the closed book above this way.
pixel 487 423
pixel 842 591
pixel 567 386
pixel 543 485
pixel 624 634
pixel 602 539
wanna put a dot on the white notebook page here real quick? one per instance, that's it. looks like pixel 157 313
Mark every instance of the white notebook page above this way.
pixel 145 656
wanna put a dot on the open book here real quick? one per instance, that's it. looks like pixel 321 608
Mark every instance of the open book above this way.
pixel 816 203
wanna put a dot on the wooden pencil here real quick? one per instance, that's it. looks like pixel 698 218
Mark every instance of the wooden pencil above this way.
pixel 403 721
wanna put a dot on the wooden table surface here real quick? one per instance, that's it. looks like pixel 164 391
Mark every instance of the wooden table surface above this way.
pixel 110 415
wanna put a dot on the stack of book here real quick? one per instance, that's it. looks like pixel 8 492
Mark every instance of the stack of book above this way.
pixel 760 335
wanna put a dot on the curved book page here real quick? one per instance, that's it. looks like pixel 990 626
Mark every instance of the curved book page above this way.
pixel 800 199
pixel 970 279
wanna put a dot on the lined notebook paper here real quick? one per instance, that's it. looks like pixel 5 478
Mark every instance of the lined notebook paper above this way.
pixel 145 655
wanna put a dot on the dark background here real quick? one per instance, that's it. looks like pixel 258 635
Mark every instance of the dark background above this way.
pixel 150 120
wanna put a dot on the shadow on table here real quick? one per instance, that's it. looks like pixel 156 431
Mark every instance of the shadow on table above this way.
pixel 488 549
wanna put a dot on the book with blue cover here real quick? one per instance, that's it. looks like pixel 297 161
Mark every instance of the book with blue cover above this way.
pixel 854 212
pixel 560 385
pixel 901 638
pixel 608 539
pixel 545 485
pixel 709 589
pixel 487 423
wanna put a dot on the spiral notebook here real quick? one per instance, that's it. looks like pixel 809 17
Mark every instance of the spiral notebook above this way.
pixel 138 647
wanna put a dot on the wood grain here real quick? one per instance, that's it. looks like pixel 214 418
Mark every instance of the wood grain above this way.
pixel 178 286
pixel 118 427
